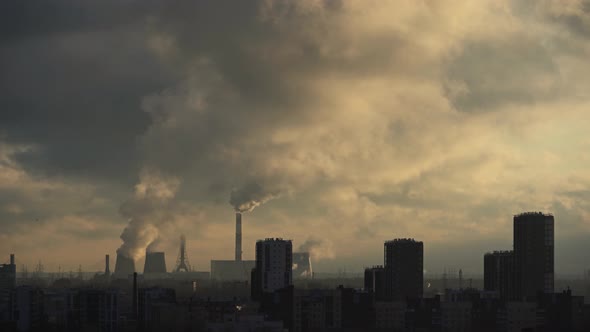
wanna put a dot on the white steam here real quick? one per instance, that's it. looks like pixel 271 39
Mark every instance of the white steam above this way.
pixel 147 211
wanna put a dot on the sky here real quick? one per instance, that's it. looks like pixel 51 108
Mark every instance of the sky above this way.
pixel 339 124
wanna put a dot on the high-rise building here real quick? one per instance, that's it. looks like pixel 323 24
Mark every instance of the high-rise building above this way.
pixel 499 273
pixel 404 269
pixel 533 253
pixel 274 264
pixel 8 274
pixel 7 284
pixel 375 281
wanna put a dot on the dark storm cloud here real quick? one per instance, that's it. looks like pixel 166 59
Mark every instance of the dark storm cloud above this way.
pixel 340 102
pixel 72 79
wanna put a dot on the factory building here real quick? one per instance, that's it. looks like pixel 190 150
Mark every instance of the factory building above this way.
pixel 237 269
pixel 230 270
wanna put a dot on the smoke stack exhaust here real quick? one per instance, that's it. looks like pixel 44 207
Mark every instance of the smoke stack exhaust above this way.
pixel 107 265
pixel 11 259
pixel 238 237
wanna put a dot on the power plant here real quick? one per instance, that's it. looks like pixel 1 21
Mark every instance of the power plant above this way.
pixel 155 263
pixel 237 269
pixel 124 266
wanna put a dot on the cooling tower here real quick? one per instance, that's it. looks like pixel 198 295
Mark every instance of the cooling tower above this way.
pixel 302 265
pixel 124 266
pixel 154 263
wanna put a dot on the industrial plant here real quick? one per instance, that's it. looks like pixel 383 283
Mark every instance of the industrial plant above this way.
pixel 236 269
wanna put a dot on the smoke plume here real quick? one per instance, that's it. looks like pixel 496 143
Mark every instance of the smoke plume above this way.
pixel 248 197
pixel 147 211
pixel 318 249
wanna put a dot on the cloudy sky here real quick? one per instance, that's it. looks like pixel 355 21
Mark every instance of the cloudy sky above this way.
pixel 349 122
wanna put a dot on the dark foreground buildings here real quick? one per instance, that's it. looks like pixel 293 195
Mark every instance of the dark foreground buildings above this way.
pixel 499 273
pixel 533 253
pixel 404 269
pixel 528 270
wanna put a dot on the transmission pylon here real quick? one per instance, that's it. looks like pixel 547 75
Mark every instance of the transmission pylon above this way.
pixel 182 264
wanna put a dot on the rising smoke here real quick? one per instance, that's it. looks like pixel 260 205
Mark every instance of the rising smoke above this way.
pixel 147 211
pixel 318 249
pixel 248 197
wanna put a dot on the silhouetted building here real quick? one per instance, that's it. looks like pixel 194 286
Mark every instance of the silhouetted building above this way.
pixel 156 308
pixel 99 309
pixel 375 281
pixel 124 266
pixel 155 264
pixel 404 269
pixel 499 273
pixel 533 253
pixel 231 270
pixel 390 315
pixel 7 284
pixel 517 317
pixel 8 274
pixel 62 309
pixel 27 309
pixel 274 264
pixel 561 312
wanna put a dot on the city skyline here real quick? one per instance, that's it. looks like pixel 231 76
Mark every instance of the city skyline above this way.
pixel 336 124
pixel 157 258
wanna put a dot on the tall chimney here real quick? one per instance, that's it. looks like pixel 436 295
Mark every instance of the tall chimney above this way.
pixel 134 299
pixel 107 266
pixel 238 237
pixel 11 259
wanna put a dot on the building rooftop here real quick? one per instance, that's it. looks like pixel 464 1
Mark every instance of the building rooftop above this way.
pixel 404 240
pixel 270 239
pixel 500 252
pixel 374 267
pixel 523 214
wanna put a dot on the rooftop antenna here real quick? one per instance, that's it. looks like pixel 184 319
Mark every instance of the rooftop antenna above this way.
pixel 182 264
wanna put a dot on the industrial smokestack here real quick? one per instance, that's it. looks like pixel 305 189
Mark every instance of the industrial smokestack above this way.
pixel 134 299
pixel 238 236
pixel 124 266
pixel 107 265
pixel 11 259
pixel 154 263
